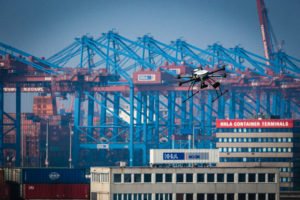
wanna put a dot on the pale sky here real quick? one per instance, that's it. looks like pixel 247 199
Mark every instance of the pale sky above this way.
pixel 43 27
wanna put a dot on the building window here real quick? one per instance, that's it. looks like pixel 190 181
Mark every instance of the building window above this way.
pixel 271 178
pixel 159 196
pixel 137 178
pixel 168 178
pixel 251 196
pixel 230 178
pixel 272 196
pixel 117 178
pixel 251 177
pixel 200 178
pixel 261 196
pixel 241 196
pixel 189 178
pixel 210 196
pixel 261 178
pixel 169 196
pixel 127 178
pixel 179 196
pixel 147 178
pixel 210 178
pixel 189 196
pixel 137 197
pixel 200 196
pixel 126 196
pixel 230 196
pixel 242 178
pixel 220 196
pixel 159 178
pixel 220 178
pixel 179 178
pixel 147 196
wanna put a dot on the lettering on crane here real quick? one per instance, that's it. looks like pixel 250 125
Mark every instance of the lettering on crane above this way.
pixel 146 77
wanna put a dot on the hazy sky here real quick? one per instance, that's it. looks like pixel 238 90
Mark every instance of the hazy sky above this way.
pixel 43 27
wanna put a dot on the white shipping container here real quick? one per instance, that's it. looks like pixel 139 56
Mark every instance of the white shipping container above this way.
pixel 183 156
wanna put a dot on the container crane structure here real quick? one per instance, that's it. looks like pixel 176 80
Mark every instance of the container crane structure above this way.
pixel 139 103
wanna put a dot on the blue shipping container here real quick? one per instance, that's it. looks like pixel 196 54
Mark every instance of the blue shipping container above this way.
pixel 54 175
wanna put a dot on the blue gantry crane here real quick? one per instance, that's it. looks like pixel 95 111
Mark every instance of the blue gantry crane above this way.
pixel 127 100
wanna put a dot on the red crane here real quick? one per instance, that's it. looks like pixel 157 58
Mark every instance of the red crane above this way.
pixel 268 37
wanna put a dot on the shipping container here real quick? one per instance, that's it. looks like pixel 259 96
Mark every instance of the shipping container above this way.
pixel 183 156
pixel 54 176
pixel 56 191
pixel 5 192
pixel 15 190
pixel 12 175
pixel 2 181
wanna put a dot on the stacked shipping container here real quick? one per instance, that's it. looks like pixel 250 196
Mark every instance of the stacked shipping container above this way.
pixel 42 105
pixel 4 188
pixel 30 131
pixel 49 183
pixel 55 183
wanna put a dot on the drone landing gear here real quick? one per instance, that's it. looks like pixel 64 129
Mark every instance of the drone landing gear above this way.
pixel 219 94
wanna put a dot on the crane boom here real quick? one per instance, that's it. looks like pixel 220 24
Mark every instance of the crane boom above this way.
pixel 265 29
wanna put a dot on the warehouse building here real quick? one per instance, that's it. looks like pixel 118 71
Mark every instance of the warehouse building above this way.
pixel 261 143
pixel 122 183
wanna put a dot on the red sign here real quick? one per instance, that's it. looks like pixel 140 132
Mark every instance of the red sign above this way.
pixel 255 123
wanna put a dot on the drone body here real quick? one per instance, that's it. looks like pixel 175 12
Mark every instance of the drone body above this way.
pixel 204 78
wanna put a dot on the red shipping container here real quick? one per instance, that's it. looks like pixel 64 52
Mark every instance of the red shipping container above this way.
pixel 4 192
pixel 56 191
pixel 1 177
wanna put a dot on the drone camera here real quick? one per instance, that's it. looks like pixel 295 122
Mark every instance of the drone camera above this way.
pixel 216 85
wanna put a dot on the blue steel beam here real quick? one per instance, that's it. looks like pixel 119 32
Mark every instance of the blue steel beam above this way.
pixel 6 49
pixel 76 129
pixel 18 126
pixel 90 114
pixel 116 106
pixel 103 106
pixel 1 123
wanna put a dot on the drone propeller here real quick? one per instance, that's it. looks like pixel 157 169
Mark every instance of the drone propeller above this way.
pixel 184 82
pixel 217 70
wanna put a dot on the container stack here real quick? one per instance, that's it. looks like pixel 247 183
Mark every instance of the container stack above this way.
pixel 30 139
pixel 12 178
pixel 58 144
pixel 55 183
pixel 4 188
pixel 42 105
pixel 30 131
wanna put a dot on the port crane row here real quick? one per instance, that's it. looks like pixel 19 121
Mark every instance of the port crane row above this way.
pixel 133 84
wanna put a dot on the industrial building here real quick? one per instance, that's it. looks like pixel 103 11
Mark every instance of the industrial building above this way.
pixel 261 143
pixel 184 183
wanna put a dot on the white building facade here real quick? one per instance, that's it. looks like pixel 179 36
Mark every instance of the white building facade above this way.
pixel 184 183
